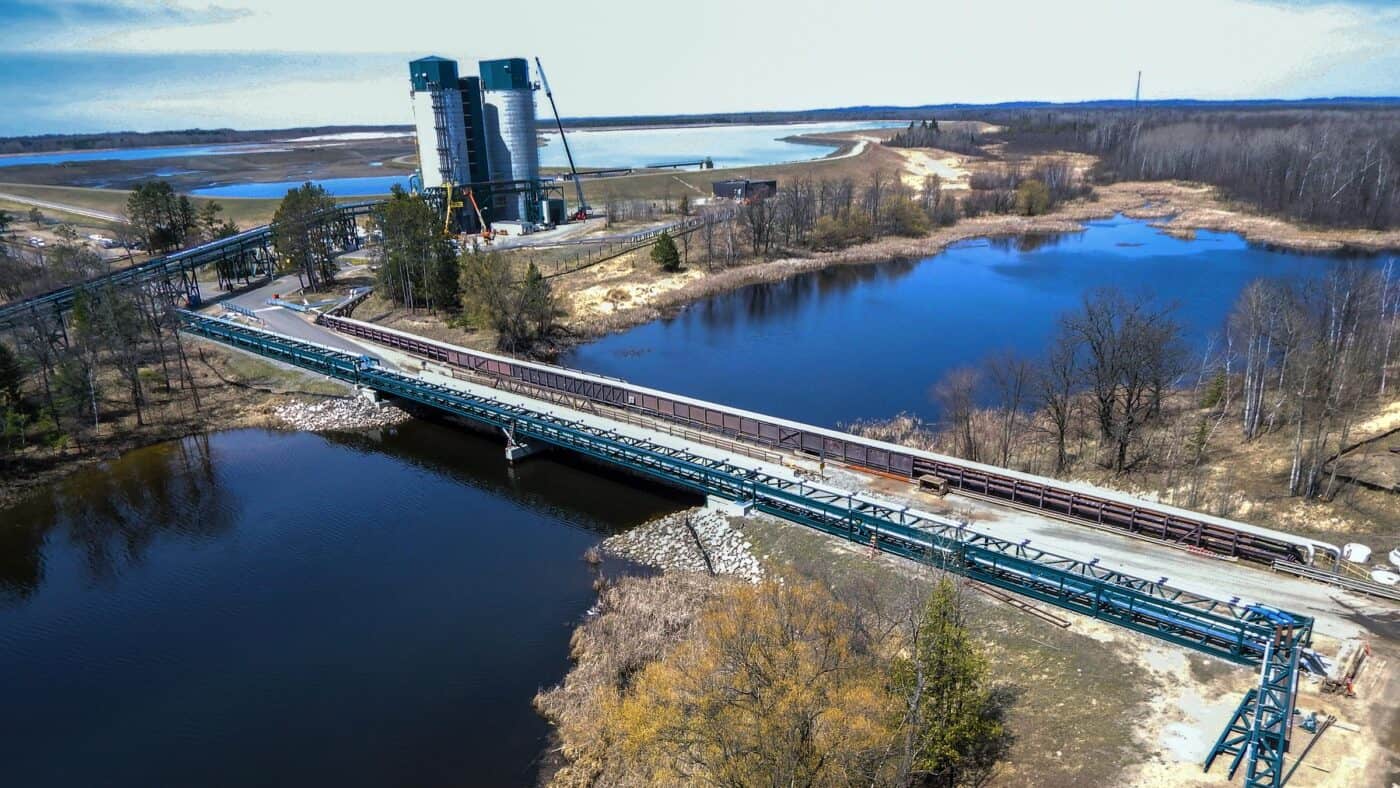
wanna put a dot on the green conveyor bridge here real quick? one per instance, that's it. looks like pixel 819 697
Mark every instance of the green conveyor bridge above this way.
pixel 1246 634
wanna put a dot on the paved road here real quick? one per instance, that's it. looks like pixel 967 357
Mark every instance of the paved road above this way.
pixel 54 206
pixel 283 320
pixel 1338 614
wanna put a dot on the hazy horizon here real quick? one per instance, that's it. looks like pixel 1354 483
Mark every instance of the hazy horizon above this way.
pixel 76 66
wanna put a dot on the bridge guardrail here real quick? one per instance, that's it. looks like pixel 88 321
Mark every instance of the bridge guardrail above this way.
pixel 1227 629
pixel 1366 587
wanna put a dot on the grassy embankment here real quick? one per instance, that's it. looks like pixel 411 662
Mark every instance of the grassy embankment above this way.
pixel 243 212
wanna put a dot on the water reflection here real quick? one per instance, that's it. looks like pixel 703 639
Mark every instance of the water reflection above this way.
pixel 1029 242
pixel 857 342
pixel 113 514
pixel 775 300
pixel 387 603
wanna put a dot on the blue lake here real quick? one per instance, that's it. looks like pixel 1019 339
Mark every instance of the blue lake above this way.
pixel 340 187
pixel 867 341
pixel 257 608
pixel 729 146
pixel 127 154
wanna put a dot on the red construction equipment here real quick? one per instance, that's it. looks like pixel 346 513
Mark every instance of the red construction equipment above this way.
pixel 582 212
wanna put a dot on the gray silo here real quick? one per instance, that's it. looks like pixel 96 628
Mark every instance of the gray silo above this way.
pixel 512 142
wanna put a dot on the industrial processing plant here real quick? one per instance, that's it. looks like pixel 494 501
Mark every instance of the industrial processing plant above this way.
pixel 478 145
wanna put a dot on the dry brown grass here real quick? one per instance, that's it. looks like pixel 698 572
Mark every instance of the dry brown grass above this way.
pixel 638 619
pixel 1241 480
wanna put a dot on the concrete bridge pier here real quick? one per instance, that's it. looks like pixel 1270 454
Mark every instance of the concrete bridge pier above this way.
pixel 517 450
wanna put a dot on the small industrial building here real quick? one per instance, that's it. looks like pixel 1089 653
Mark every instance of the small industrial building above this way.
pixel 744 190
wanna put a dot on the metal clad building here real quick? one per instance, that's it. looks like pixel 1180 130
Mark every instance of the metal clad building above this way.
pixel 439 121
pixel 512 142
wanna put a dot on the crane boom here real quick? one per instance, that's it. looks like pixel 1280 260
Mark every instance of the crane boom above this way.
pixel 582 204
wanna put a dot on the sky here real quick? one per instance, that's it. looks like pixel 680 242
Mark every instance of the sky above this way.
pixel 71 66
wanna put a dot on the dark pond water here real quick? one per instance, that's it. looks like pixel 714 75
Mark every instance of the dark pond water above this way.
pixel 868 341
pixel 256 608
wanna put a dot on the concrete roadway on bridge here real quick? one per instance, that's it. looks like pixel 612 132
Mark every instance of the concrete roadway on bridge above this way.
pixel 1339 614
pixel 285 321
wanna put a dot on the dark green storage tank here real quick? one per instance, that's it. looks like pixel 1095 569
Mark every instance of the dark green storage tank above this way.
pixel 433 70
pixel 508 74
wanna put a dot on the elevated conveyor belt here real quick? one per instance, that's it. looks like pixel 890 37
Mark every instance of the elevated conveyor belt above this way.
pixel 1236 632
pixel 1274 639
pixel 1075 502
pixel 177 264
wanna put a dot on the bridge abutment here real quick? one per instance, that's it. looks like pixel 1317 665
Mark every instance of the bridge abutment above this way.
pixel 727 507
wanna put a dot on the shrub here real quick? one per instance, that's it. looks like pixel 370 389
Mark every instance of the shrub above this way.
pixel 1032 197
pixel 904 217
pixel 835 232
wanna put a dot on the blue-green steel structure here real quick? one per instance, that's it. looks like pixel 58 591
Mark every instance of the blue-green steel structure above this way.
pixel 1235 632
pixel 1254 635
pixel 249 252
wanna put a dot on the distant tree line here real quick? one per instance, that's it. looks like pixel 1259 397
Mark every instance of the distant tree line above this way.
pixel 827 214
pixel 47 143
pixel 1321 165
pixel 954 137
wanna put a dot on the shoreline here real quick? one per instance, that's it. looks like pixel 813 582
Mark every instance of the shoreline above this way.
pixel 229 404
pixel 1169 207
pixel 1179 210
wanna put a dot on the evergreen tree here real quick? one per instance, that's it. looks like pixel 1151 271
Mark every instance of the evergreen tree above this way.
pixel 10 374
pixel 417 264
pixel 209 220
pixel 297 238
pixel 665 254
pixel 163 219
pixel 953 719
pixel 539 308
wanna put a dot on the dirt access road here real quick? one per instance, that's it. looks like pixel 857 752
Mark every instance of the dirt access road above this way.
pixel 101 216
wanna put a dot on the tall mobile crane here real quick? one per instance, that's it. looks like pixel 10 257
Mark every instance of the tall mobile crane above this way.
pixel 582 212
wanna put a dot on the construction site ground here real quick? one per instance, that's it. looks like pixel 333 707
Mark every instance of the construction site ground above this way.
pixel 1100 705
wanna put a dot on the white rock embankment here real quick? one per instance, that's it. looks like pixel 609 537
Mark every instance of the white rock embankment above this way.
pixel 666 543
pixel 339 414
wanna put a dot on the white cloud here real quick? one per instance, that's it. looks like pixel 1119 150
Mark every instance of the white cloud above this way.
pixel 644 57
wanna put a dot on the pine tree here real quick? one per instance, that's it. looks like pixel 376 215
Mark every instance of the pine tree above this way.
pixel 540 311
pixel 296 235
pixel 10 374
pixel 953 719
pixel 665 254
